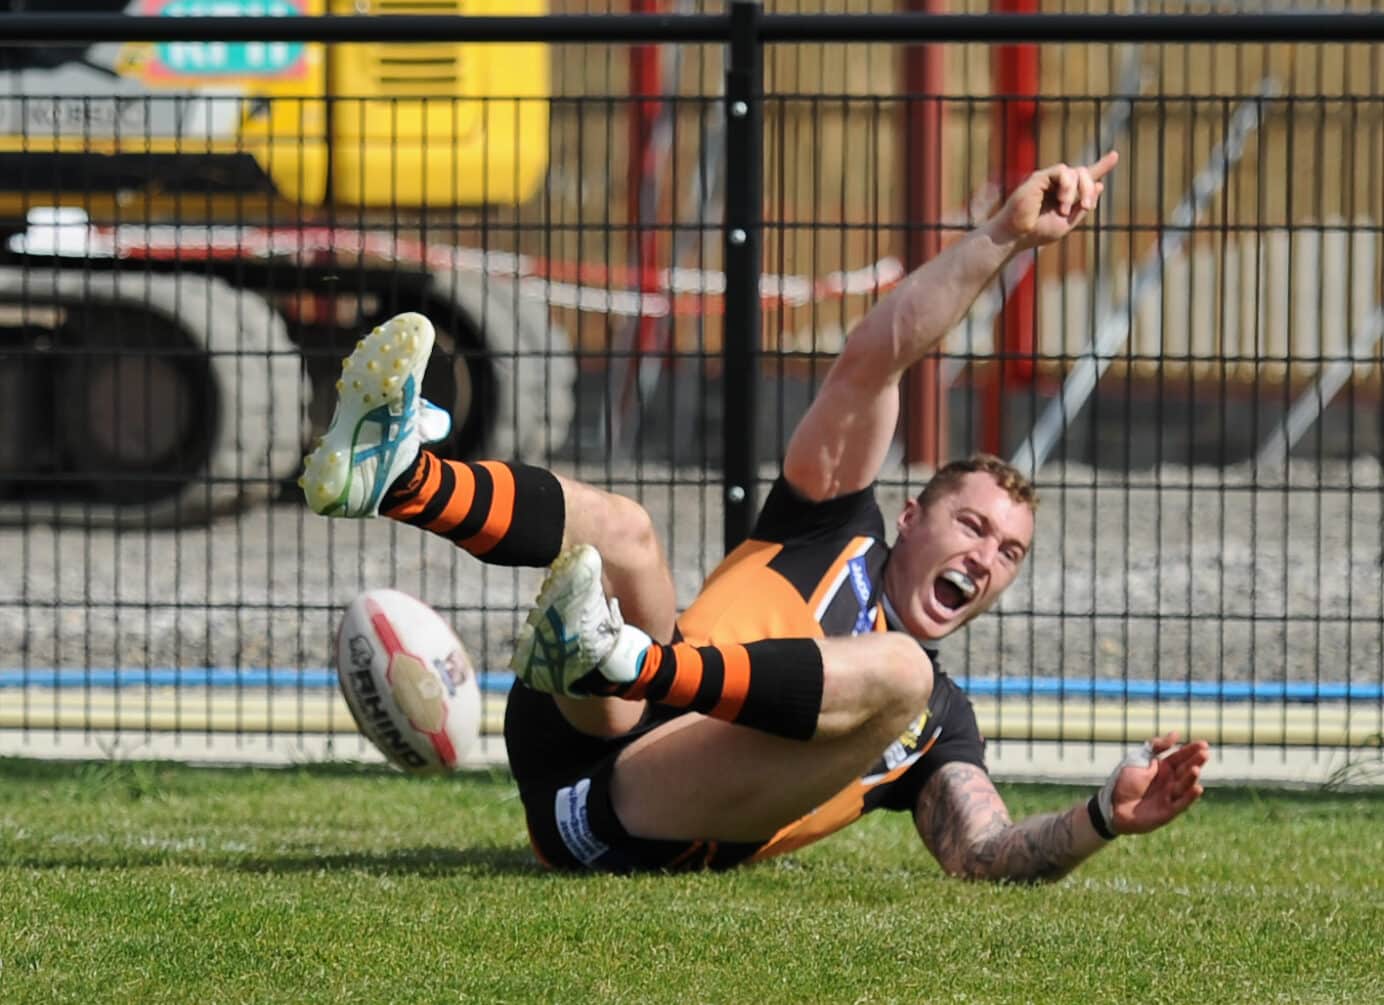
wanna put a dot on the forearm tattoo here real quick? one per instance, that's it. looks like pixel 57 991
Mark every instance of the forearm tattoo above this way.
pixel 965 824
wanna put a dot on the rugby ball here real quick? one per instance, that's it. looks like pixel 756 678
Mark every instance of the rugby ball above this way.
pixel 408 682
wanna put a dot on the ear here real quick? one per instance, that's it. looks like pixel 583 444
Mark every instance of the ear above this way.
pixel 910 515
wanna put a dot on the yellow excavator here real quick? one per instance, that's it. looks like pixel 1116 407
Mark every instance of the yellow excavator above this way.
pixel 193 233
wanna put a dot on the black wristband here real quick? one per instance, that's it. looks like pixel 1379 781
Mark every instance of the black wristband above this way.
pixel 1098 819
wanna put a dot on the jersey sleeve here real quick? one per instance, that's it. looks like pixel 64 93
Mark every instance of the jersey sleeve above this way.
pixel 959 739
pixel 787 514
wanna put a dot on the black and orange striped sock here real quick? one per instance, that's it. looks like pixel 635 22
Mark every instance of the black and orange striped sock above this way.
pixel 504 514
pixel 774 685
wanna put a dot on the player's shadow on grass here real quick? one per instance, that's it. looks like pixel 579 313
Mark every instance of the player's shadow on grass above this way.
pixel 438 862
pixel 423 862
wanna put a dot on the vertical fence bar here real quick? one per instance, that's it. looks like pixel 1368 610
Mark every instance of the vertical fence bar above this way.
pixel 744 196
pixel 926 432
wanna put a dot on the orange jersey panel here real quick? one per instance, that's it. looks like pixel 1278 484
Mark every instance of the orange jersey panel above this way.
pixel 745 600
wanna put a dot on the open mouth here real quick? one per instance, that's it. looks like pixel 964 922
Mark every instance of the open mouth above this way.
pixel 953 590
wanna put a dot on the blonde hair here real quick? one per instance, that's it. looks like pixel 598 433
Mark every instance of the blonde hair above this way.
pixel 949 477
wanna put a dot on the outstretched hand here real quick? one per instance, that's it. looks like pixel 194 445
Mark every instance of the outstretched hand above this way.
pixel 1147 796
pixel 1052 202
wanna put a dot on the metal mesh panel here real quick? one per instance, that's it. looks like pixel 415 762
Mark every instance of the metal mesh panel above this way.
pixel 1195 374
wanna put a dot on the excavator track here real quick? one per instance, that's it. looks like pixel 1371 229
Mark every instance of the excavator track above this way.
pixel 149 398
pixel 141 398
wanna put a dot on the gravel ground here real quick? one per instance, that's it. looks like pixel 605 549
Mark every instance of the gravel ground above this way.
pixel 1212 574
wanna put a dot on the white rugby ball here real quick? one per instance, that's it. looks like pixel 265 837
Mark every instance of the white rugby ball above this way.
pixel 408 681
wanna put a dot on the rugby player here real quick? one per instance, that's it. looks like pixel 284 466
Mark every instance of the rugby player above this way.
pixel 801 688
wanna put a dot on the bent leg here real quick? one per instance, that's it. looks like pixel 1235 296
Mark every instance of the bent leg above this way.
pixel 371 462
pixel 701 778
pixel 635 567
pixel 636 573
pixel 515 514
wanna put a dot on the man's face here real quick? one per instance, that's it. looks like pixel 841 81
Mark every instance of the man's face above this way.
pixel 952 561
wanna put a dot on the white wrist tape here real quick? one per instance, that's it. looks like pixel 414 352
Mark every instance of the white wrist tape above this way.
pixel 1105 798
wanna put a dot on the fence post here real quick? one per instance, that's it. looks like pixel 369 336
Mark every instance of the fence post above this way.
pixel 741 340
pixel 926 436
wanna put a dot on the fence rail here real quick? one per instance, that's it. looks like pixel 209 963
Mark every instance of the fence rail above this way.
pixel 641 259
pixel 1297 27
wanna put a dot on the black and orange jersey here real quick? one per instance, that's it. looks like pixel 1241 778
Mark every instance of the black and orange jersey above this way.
pixel 809 570
pixel 814 569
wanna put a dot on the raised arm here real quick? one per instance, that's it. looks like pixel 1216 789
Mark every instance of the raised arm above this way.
pixel 841 442
pixel 965 824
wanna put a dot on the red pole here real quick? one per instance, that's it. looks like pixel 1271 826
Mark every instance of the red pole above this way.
pixel 645 88
pixel 924 69
pixel 1015 72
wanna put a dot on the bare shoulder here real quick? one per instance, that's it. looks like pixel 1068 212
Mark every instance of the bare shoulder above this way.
pixel 958 808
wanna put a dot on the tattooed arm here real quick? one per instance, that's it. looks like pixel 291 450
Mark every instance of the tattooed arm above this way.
pixel 964 823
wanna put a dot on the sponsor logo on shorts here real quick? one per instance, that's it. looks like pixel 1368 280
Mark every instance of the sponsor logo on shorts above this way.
pixel 574 823
pixel 905 750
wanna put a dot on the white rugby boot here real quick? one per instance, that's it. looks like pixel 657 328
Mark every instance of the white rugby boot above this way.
pixel 575 642
pixel 380 421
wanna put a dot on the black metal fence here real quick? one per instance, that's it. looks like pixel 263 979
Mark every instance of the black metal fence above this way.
pixel 643 239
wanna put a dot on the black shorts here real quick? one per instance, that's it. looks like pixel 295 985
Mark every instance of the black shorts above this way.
pixel 564 780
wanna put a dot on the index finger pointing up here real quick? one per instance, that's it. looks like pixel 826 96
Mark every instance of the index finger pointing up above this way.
pixel 1105 165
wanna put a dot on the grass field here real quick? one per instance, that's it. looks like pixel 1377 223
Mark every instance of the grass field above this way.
pixel 151 883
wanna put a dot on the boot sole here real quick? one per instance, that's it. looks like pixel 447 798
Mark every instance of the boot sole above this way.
pixel 376 375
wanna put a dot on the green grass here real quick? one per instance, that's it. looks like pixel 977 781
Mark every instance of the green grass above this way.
pixel 152 883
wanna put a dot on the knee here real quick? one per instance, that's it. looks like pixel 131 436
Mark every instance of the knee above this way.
pixel 877 682
pixel 636 530
pixel 619 527
pixel 903 677
pixel 632 547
